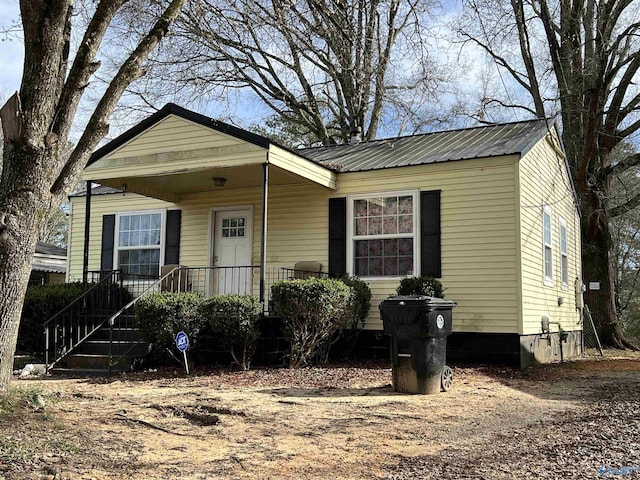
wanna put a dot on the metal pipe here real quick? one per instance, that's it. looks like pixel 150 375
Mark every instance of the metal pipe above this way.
pixel 263 237
pixel 87 224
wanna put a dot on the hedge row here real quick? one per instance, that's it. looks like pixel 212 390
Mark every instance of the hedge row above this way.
pixel 313 313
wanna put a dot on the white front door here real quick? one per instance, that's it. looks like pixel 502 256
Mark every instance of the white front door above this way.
pixel 232 252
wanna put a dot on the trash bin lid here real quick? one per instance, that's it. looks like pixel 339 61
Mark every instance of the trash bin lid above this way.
pixel 419 300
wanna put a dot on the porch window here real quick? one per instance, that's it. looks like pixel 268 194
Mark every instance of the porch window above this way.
pixel 547 246
pixel 383 231
pixel 138 239
pixel 564 259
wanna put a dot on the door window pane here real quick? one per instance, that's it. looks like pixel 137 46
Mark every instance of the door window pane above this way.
pixel 233 227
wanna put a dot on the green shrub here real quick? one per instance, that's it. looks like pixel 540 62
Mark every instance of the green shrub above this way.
pixel 41 302
pixel 421 286
pixel 359 305
pixel 235 318
pixel 312 310
pixel 161 316
pixel 360 301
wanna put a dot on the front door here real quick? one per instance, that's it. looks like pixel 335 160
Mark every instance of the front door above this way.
pixel 232 252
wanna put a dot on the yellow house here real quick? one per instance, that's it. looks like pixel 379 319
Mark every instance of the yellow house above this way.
pixel 490 211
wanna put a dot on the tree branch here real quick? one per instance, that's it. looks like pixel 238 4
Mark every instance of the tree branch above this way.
pixel 629 205
pixel 84 65
pixel 97 126
pixel 623 165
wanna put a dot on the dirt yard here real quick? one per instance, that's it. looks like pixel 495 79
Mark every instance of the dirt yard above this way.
pixel 577 420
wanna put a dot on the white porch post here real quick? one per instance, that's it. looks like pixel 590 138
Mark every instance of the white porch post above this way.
pixel 263 236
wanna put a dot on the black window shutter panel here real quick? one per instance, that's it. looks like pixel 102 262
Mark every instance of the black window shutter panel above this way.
pixel 337 236
pixel 430 252
pixel 172 239
pixel 108 237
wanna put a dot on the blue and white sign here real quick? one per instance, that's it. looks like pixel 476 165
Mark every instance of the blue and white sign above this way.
pixel 182 341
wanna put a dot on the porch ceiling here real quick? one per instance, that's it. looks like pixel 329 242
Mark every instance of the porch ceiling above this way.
pixel 172 186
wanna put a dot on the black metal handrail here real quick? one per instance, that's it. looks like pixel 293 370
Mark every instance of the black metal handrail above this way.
pixel 115 294
pixel 129 335
pixel 239 280
pixel 69 327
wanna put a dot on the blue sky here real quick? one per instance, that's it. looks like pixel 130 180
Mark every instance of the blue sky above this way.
pixel 10 50
pixel 242 108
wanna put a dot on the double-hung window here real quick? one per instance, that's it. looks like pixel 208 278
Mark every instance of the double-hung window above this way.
pixel 383 234
pixel 139 242
pixel 547 245
pixel 564 259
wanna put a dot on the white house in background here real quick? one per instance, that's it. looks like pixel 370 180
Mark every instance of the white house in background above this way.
pixel 49 264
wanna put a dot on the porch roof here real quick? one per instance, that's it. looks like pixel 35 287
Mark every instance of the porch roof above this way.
pixel 177 151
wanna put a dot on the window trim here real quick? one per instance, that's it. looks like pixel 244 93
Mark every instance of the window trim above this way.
pixel 351 238
pixel 563 254
pixel 548 280
pixel 116 240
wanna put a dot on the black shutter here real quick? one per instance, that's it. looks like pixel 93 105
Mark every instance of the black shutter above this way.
pixel 172 239
pixel 108 236
pixel 337 236
pixel 430 253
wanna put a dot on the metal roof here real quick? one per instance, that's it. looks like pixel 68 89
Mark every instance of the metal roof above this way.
pixel 96 189
pixel 48 267
pixel 49 249
pixel 464 144
pixel 49 258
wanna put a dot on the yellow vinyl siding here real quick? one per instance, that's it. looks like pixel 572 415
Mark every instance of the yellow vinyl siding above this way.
pixel 100 205
pixel 157 164
pixel 297 230
pixel 173 134
pixel 478 236
pixel 544 181
pixel 478 231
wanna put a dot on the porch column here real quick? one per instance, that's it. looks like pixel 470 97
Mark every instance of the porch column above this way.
pixel 87 223
pixel 263 236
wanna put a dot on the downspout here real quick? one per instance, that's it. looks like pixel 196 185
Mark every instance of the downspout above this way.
pixel 87 222
pixel 263 236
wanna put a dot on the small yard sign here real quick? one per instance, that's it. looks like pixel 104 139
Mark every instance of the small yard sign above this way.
pixel 182 342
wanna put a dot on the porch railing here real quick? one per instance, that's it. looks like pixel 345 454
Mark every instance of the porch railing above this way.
pixel 239 280
pixel 106 292
pixel 110 299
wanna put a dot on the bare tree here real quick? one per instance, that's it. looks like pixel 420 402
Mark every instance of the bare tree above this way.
pixel 36 121
pixel 581 58
pixel 327 66
pixel 625 235
pixel 55 229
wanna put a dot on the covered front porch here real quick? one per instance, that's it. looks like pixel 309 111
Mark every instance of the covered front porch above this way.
pixel 199 194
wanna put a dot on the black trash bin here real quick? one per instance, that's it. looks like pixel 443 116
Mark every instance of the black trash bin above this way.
pixel 418 326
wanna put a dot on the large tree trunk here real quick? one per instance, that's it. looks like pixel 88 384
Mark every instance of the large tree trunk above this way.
pixel 15 267
pixel 24 205
pixel 36 125
pixel 597 256
pixel 597 264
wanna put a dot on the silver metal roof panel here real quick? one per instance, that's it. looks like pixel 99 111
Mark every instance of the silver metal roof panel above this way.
pixel 478 142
